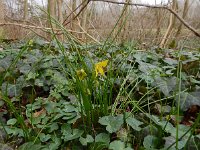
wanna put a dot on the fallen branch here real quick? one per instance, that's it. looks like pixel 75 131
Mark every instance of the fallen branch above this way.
pixel 186 24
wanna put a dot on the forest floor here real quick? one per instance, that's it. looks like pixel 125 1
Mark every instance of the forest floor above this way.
pixel 70 96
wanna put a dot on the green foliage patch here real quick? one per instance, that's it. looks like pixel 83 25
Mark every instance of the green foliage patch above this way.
pixel 57 96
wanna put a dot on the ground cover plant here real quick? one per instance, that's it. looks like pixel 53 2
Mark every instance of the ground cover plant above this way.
pixel 70 96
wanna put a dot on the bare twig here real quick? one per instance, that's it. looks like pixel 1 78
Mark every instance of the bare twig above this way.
pixel 83 7
pixel 35 27
pixel 58 31
pixel 72 12
pixel 186 24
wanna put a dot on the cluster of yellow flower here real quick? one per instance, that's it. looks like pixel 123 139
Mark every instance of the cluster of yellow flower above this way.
pixel 99 69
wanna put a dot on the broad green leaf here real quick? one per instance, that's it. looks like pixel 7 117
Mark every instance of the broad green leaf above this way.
pixel 155 119
pixel 134 123
pixel 118 145
pixel 150 142
pixel 56 142
pixel 172 140
pixel 6 62
pixel 162 109
pixel 182 130
pixel 4 146
pixel 166 85
pixel 147 68
pixel 31 146
pixel 43 137
pixel 26 68
pixel 85 141
pixel 32 75
pixel 112 123
pixel 69 108
pixel 11 89
pixel 188 99
pixel 12 121
pixel 14 131
pixel 102 138
pixel 193 144
pixel 69 134
pixel 53 127
pixel 39 82
pixel 170 61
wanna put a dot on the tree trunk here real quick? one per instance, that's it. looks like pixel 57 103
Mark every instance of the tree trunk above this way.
pixel 184 15
pixel 84 17
pixel 170 26
pixel 2 20
pixel 158 14
pixel 51 11
pixel 60 14
pixel 25 17
pixel 73 22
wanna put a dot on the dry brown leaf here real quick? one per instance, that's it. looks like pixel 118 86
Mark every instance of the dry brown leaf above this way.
pixel 38 113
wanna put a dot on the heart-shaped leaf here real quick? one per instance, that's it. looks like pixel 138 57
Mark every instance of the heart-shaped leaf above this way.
pixel 112 123
pixel 188 99
pixel 118 145
pixel 134 123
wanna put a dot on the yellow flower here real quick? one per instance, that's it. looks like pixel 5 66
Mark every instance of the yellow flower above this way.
pixel 30 43
pixel 100 67
pixel 81 74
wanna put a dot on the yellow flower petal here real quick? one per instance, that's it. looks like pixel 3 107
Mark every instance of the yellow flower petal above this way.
pixel 99 67
pixel 103 63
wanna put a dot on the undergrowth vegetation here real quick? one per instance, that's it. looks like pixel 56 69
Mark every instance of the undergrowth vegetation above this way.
pixel 70 96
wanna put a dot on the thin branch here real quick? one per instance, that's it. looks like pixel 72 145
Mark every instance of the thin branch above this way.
pixel 186 24
pixel 72 12
pixel 84 6
pixel 34 27
pixel 58 31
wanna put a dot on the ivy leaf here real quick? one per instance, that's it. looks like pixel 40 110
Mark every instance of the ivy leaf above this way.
pixel 118 145
pixel 171 140
pixel 147 68
pixel 11 89
pixel 69 108
pixel 32 75
pixel 6 62
pixel 165 85
pixel 85 141
pixel 170 61
pixel 102 138
pixel 150 142
pixel 53 127
pixel 31 146
pixel 44 138
pixel 112 123
pixel 69 134
pixel 188 99
pixel 26 68
pixel 39 83
pixel 54 144
pixel 134 123
pixel 12 121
